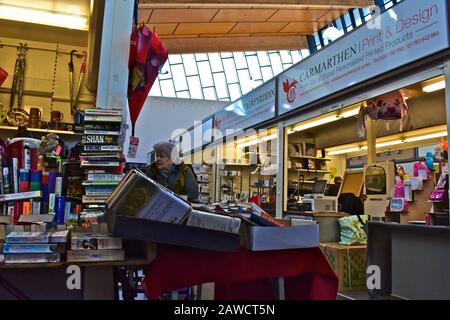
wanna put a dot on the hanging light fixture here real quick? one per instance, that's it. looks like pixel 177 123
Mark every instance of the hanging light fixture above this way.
pixel 44 16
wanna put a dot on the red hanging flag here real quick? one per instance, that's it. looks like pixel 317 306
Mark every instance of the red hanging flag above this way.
pixel 147 56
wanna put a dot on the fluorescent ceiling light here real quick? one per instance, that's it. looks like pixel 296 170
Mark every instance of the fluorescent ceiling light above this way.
pixel 389 143
pixel 32 15
pixel 344 151
pixel 315 123
pixel 319 122
pixel 350 113
pixel 350 149
pixel 256 141
pixel 426 137
pixel 434 86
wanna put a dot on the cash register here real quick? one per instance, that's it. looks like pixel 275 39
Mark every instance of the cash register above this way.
pixel 317 201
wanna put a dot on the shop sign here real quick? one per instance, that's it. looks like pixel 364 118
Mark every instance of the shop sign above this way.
pixel 255 107
pixel 408 32
pixel 202 133
pixel 186 142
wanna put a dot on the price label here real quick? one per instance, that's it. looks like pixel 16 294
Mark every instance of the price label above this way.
pixel 132 150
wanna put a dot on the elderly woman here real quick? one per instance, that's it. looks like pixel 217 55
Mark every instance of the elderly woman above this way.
pixel 169 171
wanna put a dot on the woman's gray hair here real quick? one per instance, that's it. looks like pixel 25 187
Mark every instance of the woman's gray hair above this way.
pixel 169 150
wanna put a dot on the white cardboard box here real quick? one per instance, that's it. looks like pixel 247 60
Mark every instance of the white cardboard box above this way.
pixel 275 238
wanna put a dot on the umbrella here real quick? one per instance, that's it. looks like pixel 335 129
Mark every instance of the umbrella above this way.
pixel 71 79
pixel 147 56
pixel 80 80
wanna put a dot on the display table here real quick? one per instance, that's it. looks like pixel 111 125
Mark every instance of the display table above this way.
pixel 243 274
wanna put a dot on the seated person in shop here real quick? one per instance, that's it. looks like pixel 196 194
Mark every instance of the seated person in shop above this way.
pixel 171 172
pixel 333 189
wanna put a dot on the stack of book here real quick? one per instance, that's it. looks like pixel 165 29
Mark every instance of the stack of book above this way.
pixel 35 247
pixel 20 179
pixel 102 160
pixel 95 247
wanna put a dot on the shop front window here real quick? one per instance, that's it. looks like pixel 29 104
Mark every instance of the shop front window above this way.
pixel 247 168
pixel 328 156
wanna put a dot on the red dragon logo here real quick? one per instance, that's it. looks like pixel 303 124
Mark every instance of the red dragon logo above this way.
pixel 290 89
pixel 217 123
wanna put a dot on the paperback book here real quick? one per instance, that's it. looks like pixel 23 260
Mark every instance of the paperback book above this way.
pixel 34 248
pixel 32 258
pixel 95 242
pixel 95 255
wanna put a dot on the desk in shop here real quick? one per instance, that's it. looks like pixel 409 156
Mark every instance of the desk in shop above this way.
pixel 48 281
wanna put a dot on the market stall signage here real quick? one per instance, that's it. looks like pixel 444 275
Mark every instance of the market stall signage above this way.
pixel 406 33
pixel 255 107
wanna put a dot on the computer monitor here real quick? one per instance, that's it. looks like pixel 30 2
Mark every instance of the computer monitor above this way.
pixel 319 187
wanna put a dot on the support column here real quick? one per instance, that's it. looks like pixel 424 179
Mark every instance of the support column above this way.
pixel 115 48
pixel 281 168
pixel 371 142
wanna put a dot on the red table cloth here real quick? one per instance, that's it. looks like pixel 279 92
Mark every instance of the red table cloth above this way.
pixel 243 275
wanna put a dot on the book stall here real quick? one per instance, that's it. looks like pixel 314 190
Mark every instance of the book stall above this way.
pixel 53 204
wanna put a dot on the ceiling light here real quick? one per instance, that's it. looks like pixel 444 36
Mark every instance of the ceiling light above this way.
pixel 319 122
pixel 350 113
pixel 315 123
pixel 32 15
pixel 426 137
pixel 434 86
pixel 389 143
pixel 256 141
pixel 344 151
pixel 352 148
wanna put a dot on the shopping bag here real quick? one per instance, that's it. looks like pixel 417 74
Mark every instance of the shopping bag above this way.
pixel 352 230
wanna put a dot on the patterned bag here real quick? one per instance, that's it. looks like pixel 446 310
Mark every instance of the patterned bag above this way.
pixel 391 106
pixel 352 230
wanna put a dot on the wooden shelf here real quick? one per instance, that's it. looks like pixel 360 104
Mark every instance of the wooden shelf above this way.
pixel 308 157
pixel 311 171
pixel 62 132
pixel 252 187
pixel 308 182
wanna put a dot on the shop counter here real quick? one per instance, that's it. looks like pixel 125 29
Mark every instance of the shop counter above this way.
pixel 329 230
pixel 243 275
pixel 414 260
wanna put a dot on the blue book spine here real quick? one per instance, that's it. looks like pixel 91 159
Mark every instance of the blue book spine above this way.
pixel 32 248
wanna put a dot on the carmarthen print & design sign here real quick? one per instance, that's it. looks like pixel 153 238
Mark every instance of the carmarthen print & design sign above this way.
pixel 408 32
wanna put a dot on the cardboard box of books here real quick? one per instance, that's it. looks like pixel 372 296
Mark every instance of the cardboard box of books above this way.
pixel 141 209
pixel 273 234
